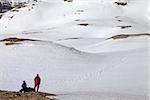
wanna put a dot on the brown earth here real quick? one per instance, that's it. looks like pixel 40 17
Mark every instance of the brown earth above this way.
pixel 11 95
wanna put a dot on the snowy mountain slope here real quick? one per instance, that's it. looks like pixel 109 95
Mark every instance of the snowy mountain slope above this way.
pixel 53 14
pixel 74 57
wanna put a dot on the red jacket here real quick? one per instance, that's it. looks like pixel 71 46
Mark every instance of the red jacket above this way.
pixel 37 80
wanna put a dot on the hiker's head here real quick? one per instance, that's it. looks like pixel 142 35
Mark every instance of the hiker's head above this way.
pixel 37 75
pixel 24 81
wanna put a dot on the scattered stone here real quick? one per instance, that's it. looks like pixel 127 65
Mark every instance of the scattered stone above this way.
pixel 33 4
pixel 77 13
pixel 1 16
pixel 124 27
pixel 11 17
pixel 121 3
pixel 119 20
pixel 69 39
pixel 14 10
pixel 117 16
pixel 84 24
pixel 80 10
pixel 77 20
pixel 68 0
pixel 80 20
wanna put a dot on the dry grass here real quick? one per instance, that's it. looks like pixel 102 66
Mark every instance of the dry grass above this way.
pixel 10 95
pixel 122 36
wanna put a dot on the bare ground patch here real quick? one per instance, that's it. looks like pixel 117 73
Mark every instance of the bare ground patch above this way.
pixel 20 5
pixel 15 40
pixel 122 36
pixel 10 95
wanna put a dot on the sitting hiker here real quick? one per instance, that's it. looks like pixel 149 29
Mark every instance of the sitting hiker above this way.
pixel 25 88
pixel 24 85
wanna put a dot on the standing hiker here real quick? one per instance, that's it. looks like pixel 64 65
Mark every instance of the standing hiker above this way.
pixel 37 81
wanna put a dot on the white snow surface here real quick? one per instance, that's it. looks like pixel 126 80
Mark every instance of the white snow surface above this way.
pixel 78 62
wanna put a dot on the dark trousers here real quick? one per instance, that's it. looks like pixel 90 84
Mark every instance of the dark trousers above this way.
pixel 36 86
